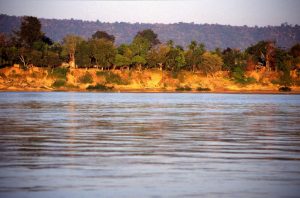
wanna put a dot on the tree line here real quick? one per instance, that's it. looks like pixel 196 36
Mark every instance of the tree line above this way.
pixel 30 46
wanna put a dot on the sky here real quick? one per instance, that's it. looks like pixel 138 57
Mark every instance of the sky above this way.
pixel 226 12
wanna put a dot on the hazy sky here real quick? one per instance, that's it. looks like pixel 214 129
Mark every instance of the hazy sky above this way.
pixel 233 12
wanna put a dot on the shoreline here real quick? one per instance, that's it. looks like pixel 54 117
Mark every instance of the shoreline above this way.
pixel 149 81
pixel 262 92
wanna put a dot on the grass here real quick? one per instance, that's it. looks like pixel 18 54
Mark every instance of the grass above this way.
pixel 112 78
pixel 185 88
pixel 99 87
pixel 86 78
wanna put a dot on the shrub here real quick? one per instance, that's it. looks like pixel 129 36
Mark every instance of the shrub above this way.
pixel 203 89
pixel 185 88
pixel 238 75
pixel 59 72
pixel 99 87
pixel 112 78
pixel 285 89
pixel 86 78
pixel 59 83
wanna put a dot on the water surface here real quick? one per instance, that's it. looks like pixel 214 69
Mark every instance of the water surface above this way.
pixel 149 145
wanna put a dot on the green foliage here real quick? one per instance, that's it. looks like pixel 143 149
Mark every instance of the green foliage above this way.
pixel 185 88
pixel 86 78
pixel 283 63
pixel 295 50
pixel 103 51
pixel 238 75
pixel 140 46
pixel 157 56
pixel 138 60
pixel 125 50
pixel 83 54
pixel 59 83
pixel 70 46
pixel 99 87
pixel 150 36
pixel 211 63
pixel 203 89
pixel 112 78
pixel 175 59
pixel 103 35
pixel 121 60
pixel 193 55
pixel 59 72
pixel 30 31
pixel 257 50
pixel 231 58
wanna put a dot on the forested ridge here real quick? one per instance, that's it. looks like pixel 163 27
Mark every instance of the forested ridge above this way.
pixel 212 35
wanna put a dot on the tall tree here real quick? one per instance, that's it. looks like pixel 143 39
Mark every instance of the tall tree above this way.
pixel 211 63
pixel 29 32
pixel 193 56
pixel 103 51
pixel 150 36
pixel 70 44
pixel 140 46
pixel 103 35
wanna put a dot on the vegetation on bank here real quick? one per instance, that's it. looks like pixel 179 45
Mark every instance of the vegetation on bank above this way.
pixel 29 46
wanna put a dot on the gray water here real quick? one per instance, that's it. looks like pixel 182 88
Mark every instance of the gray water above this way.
pixel 149 145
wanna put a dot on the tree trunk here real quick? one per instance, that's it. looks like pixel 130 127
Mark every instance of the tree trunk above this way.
pixel 72 61
pixel 23 61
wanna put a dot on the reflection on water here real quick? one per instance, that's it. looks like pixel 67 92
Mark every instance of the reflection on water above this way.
pixel 149 145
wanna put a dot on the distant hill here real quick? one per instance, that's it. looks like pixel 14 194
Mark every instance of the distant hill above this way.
pixel 213 35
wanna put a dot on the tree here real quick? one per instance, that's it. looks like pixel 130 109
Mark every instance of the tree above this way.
pixel 125 50
pixel 29 32
pixel 140 46
pixel 157 56
pixel 149 35
pixel 232 58
pixel 211 63
pixel 295 53
pixel 175 59
pixel 103 51
pixel 83 54
pixel 193 56
pixel 283 63
pixel 103 35
pixel 121 60
pixel 138 61
pixel 70 43
pixel 263 53
pixel 295 50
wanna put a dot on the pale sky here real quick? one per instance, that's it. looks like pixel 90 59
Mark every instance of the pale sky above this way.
pixel 231 12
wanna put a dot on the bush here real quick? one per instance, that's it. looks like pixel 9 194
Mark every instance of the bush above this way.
pixel 59 72
pixel 99 87
pixel 245 80
pixel 112 78
pixel 203 89
pixel 285 89
pixel 185 88
pixel 86 78
pixel 59 83
pixel 238 75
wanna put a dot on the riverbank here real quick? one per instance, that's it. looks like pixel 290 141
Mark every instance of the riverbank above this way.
pixel 150 81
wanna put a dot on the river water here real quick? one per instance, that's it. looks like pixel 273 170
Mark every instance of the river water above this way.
pixel 64 144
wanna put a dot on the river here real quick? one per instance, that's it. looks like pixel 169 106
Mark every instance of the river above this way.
pixel 67 144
